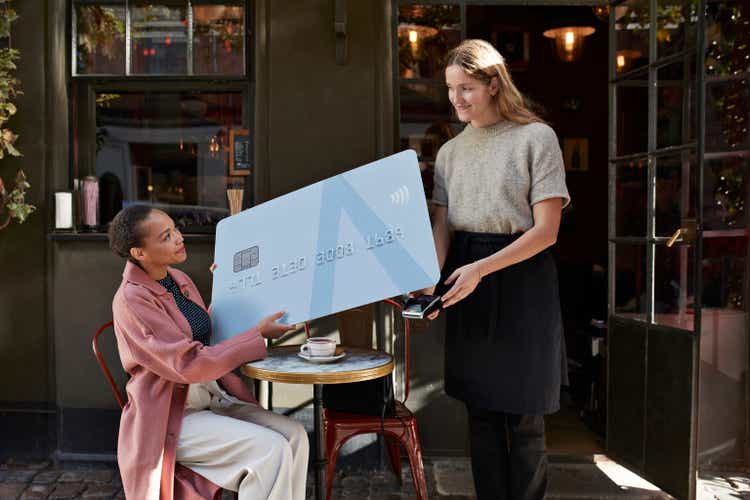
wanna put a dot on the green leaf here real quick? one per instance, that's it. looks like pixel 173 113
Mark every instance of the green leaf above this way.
pixel 12 150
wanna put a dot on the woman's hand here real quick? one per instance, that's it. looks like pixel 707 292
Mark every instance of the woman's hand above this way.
pixel 426 291
pixel 466 279
pixel 271 329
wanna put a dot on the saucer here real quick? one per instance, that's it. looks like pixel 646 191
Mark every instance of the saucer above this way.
pixel 322 359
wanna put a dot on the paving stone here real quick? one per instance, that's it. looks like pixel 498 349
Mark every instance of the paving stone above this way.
pixel 46 477
pixel 66 491
pixel 72 476
pixel 11 491
pixel 100 491
pixel 99 476
pixel 37 465
pixel 37 491
pixel 355 482
pixel 20 476
pixel 453 479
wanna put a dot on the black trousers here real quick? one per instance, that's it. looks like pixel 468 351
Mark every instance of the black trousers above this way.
pixel 508 456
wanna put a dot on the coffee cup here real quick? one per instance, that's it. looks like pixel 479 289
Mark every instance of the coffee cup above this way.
pixel 318 347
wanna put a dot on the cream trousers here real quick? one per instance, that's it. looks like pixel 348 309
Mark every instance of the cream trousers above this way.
pixel 242 447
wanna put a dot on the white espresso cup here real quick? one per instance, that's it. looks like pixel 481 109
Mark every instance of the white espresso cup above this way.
pixel 318 346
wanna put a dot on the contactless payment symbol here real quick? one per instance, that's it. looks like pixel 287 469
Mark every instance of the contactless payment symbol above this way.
pixel 400 196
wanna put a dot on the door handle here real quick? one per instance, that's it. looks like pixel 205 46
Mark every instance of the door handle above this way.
pixel 685 234
pixel 676 236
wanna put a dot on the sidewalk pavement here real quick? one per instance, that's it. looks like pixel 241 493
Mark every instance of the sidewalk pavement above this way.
pixel 447 479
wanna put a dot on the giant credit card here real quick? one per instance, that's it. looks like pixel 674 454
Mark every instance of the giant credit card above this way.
pixel 349 240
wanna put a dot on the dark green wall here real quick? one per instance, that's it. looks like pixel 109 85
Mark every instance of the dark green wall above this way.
pixel 25 357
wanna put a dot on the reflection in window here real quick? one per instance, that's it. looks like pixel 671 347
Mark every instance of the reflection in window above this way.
pixel 675 113
pixel 675 25
pixel 674 196
pixel 631 34
pixel 426 33
pixel 632 116
pixel 673 287
pixel 630 281
pixel 728 64
pixel 218 39
pixel 159 39
pixel 168 37
pixel 725 192
pixel 631 198
pixel 168 150
pixel 99 39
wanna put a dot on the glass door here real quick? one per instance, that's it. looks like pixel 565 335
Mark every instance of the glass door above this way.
pixel 678 238
pixel 654 239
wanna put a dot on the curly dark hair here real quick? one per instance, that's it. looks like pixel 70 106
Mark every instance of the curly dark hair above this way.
pixel 125 230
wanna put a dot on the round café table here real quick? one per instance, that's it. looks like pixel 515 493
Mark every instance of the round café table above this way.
pixel 284 365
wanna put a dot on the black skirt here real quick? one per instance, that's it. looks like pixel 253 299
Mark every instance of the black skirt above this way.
pixel 504 348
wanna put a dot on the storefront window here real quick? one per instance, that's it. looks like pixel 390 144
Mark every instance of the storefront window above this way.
pixel 169 150
pixel 165 142
pixel 165 38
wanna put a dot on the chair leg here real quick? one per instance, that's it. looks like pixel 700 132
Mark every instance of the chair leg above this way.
pixel 394 452
pixel 334 442
pixel 414 451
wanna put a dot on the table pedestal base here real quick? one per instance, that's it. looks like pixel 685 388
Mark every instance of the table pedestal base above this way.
pixel 320 449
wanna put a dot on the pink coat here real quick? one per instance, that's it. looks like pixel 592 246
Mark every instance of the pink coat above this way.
pixel 156 349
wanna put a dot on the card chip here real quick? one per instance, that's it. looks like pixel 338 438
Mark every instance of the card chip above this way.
pixel 245 259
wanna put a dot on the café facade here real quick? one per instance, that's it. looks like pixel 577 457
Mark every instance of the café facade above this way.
pixel 178 103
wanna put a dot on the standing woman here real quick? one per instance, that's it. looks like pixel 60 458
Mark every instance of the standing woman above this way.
pixel 499 191
pixel 189 419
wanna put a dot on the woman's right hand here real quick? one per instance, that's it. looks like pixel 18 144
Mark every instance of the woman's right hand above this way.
pixel 270 328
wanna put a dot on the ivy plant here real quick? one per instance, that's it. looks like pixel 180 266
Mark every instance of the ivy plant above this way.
pixel 12 205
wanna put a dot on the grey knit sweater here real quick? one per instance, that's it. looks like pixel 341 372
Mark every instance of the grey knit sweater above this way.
pixel 490 177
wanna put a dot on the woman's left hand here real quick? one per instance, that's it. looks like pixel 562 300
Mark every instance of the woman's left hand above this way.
pixel 466 280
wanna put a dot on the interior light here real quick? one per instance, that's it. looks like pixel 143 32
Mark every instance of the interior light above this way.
pixel 569 41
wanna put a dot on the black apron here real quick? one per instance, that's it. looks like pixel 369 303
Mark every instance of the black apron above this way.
pixel 504 348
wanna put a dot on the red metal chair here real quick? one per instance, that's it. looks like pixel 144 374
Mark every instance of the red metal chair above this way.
pixel 103 364
pixel 121 401
pixel 398 429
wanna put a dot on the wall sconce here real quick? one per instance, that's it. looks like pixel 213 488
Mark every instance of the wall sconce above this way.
pixel 213 148
pixel 569 41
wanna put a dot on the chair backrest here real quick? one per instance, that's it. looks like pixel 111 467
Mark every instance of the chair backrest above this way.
pixel 355 325
pixel 103 365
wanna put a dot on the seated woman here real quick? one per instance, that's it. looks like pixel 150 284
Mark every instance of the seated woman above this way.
pixel 184 403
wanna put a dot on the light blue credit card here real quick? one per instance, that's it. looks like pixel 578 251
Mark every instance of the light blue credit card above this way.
pixel 349 240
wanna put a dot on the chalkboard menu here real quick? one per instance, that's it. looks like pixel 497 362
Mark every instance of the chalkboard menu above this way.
pixel 240 152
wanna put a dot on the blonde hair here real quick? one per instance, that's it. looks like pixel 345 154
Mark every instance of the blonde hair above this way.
pixel 481 61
